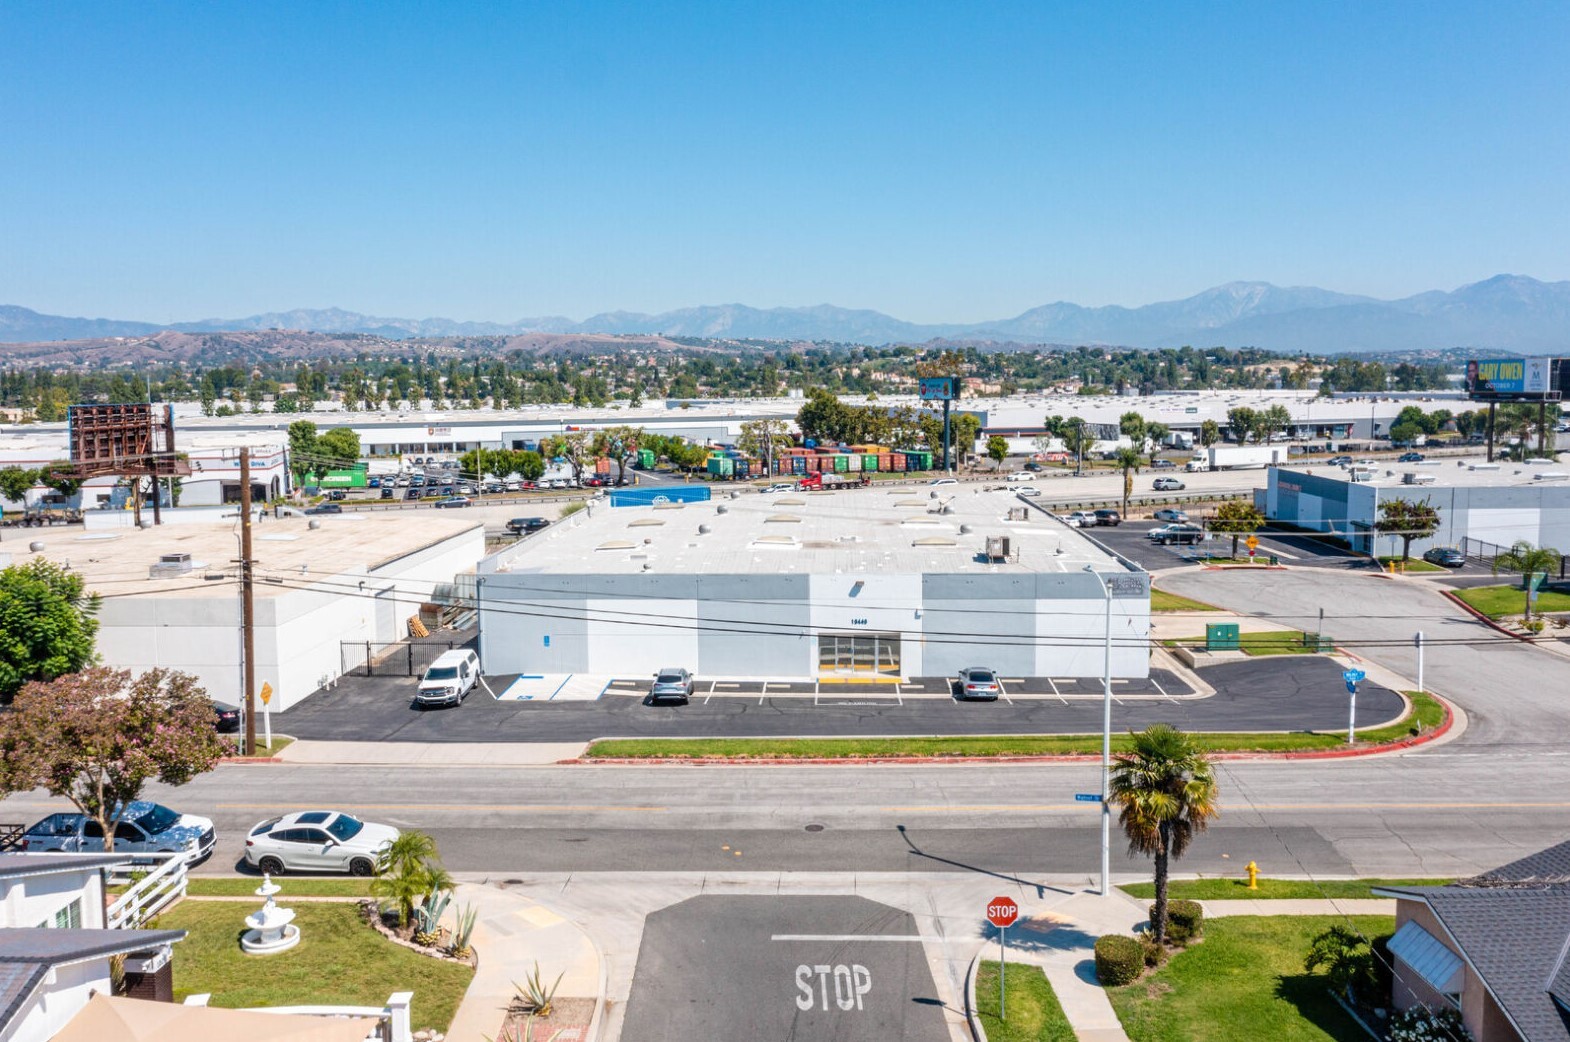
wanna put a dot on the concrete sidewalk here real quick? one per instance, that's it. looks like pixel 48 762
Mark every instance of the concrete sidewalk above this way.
pixel 431 754
pixel 511 934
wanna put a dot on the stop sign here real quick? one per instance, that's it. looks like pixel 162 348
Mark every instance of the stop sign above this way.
pixel 1002 911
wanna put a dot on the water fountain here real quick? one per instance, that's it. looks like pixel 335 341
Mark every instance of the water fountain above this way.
pixel 272 929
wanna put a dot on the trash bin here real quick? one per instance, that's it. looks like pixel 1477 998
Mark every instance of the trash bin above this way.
pixel 1274 559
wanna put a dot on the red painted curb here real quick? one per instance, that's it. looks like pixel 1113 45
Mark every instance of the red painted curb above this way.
pixel 1484 619
pixel 1307 754
pixel 249 759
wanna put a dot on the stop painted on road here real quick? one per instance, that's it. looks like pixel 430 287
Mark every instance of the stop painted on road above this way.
pixel 733 968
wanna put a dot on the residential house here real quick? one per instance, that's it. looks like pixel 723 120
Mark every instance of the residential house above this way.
pixel 55 952
pixel 1495 947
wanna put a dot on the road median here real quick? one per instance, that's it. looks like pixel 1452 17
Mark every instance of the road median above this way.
pixel 1425 719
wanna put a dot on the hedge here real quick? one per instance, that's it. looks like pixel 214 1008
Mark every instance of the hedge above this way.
pixel 1119 960
pixel 1185 920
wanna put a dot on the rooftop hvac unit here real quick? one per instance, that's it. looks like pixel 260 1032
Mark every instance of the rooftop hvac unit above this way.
pixel 1410 478
pixel 997 547
pixel 170 566
pixel 1551 475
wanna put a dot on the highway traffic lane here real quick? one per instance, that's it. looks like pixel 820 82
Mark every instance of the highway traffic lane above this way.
pixel 1513 693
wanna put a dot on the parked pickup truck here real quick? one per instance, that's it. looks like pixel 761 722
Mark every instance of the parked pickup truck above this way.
pixel 146 828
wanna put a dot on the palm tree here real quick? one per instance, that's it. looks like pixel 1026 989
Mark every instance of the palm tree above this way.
pixel 1128 462
pixel 408 870
pixel 1166 793
pixel 1525 558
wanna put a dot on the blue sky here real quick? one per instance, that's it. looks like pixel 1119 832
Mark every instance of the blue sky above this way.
pixel 940 162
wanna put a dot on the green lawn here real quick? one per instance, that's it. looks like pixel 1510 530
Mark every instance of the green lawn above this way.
pixel 293 886
pixel 1416 564
pixel 1244 980
pixel 339 961
pixel 1276 642
pixel 1034 1014
pixel 1428 715
pixel 1498 601
pixel 1280 889
pixel 1161 600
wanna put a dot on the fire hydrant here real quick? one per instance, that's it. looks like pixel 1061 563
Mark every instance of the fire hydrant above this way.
pixel 1253 876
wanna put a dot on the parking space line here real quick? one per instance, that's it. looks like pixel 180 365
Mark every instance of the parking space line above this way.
pixel 1004 692
pixel 1058 694
pixel 559 687
pixel 1157 685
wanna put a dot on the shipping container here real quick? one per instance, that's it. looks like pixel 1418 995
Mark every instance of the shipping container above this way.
pixel 869 461
pixel 602 466
pixel 722 466
pixel 642 497
pixel 646 459
pixel 852 462
pixel 897 462
pixel 798 464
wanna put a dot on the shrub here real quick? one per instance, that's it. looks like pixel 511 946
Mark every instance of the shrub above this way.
pixel 1119 960
pixel 1185 920
pixel 1155 954
pixel 1347 960
pixel 1422 1024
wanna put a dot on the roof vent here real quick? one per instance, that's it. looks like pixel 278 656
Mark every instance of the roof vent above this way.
pixel 782 519
pixel 966 529
pixel 1551 475
pixel 170 566
pixel 704 530
pixel 36 548
pixel 722 509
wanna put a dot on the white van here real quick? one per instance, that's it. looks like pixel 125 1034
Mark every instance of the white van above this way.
pixel 449 679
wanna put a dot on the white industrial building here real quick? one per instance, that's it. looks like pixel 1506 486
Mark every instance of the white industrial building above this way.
pixel 868 582
pixel 1481 505
pixel 320 582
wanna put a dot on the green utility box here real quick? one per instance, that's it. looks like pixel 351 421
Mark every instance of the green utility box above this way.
pixel 1221 636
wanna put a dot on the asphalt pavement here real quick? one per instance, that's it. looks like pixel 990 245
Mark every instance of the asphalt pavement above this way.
pixel 1277 693
pixel 792 967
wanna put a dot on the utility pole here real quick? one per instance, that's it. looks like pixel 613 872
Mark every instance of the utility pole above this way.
pixel 247 605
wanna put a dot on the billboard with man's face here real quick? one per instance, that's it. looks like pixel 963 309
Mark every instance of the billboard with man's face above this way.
pixel 1509 378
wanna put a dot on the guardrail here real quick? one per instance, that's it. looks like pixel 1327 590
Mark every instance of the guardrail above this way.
pixel 149 895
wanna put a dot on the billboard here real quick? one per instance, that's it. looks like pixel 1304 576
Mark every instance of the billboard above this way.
pixel 939 388
pixel 1509 379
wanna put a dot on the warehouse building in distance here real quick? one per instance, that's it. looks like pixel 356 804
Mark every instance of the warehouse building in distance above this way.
pixel 866 582
pixel 1481 506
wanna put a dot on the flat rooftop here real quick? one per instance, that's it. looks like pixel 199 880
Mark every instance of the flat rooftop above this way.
pixel 909 530
pixel 116 562
pixel 1450 472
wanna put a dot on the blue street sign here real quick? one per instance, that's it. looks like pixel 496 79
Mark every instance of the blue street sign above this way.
pixel 1352 676
pixel 1087 797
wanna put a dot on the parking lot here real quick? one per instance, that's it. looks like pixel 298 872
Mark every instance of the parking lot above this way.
pixel 1278 693
pixel 783 967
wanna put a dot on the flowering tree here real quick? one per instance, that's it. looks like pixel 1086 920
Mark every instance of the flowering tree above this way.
pixel 96 737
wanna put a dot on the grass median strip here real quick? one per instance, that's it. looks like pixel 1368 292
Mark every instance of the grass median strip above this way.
pixel 1499 601
pixel 1272 889
pixel 1270 642
pixel 1161 600
pixel 1034 1013
pixel 1426 715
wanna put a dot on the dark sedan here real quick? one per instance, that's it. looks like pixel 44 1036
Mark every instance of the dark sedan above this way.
pixel 226 719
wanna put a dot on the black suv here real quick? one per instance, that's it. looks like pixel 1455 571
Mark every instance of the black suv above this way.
pixel 522 525
pixel 1109 518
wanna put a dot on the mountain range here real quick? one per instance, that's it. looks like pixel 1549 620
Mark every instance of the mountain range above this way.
pixel 1511 313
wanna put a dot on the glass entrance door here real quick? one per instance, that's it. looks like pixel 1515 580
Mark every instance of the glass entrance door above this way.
pixel 859 654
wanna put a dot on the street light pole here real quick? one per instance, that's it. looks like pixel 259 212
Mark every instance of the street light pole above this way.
pixel 1106 736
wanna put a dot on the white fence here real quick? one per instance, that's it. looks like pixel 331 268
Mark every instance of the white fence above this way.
pixel 393 1019
pixel 149 895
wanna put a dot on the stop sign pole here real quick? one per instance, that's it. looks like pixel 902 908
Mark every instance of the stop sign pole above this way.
pixel 1001 912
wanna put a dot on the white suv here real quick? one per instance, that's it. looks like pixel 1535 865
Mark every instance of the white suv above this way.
pixel 449 679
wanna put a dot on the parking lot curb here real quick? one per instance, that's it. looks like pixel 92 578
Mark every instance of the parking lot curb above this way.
pixel 1484 619
pixel 1400 745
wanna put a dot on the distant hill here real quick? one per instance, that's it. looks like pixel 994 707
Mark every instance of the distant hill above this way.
pixel 1505 313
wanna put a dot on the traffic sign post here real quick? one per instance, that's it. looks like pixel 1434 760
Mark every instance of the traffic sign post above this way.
pixel 1002 912
pixel 1351 677
pixel 267 714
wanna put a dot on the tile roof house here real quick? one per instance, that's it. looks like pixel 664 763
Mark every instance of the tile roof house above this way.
pixel 54 950
pixel 1495 947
